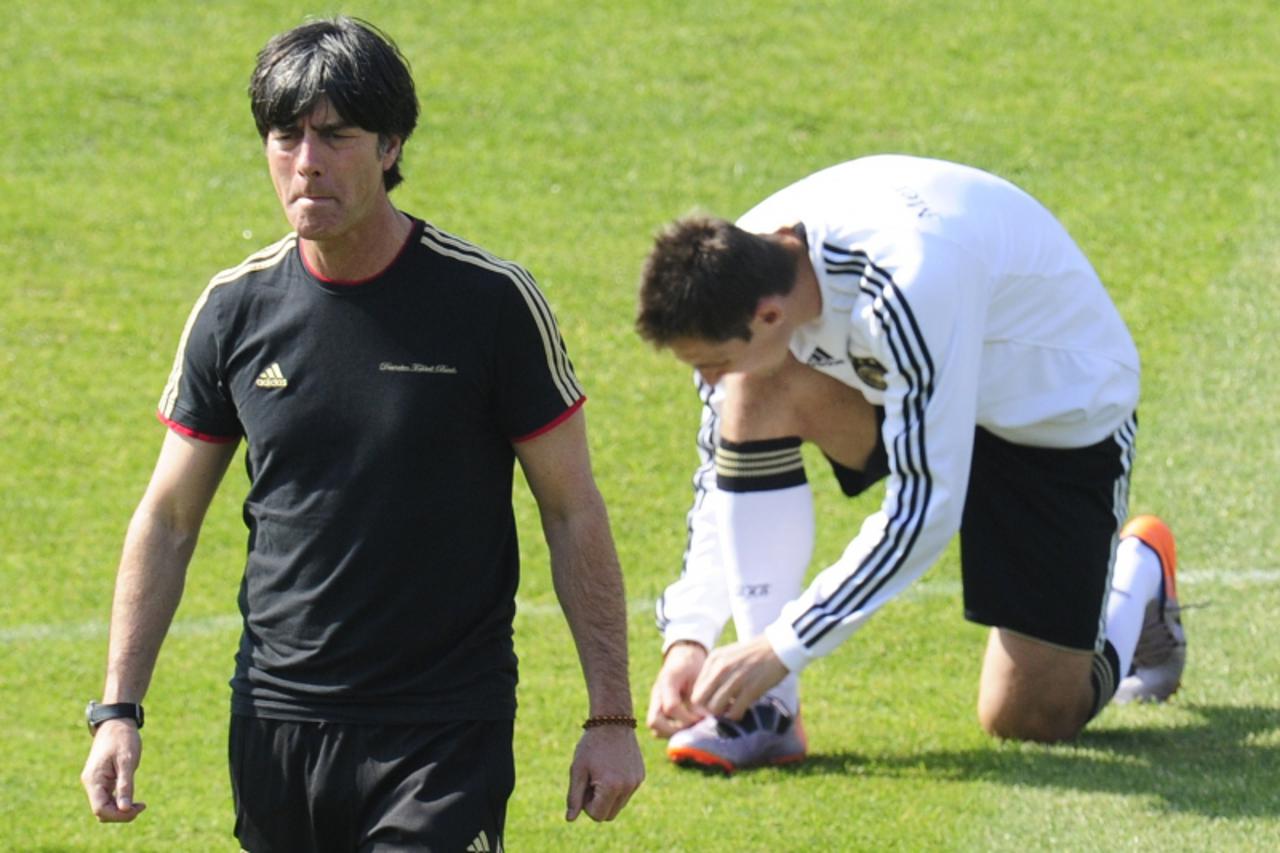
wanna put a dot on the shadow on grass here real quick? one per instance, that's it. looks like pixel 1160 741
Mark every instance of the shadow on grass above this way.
pixel 1211 768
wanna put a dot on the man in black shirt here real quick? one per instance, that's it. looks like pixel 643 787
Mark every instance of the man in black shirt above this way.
pixel 385 376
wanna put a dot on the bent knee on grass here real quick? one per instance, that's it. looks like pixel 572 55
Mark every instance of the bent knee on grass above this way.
pixel 1026 722
pixel 1031 690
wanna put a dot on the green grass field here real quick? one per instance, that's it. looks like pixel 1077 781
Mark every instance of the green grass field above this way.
pixel 564 136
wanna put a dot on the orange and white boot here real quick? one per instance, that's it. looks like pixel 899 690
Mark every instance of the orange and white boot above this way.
pixel 1161 654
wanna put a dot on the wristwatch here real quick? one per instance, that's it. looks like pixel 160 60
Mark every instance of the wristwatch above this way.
pixel 95 715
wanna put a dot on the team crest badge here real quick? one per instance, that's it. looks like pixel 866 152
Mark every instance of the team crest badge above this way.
pixel 870 371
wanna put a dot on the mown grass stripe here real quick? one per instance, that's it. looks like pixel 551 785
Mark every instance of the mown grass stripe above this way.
pixel 96 629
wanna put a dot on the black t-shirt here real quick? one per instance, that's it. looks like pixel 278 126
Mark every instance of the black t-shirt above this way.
pixel 379 419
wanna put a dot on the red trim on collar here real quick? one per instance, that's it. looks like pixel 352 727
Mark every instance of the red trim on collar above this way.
pixel 415 232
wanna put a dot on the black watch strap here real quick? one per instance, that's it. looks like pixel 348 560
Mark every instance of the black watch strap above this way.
pixel 95 715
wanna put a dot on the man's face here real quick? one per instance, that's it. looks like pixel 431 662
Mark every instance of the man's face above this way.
pixel 763 354
pixel 328 174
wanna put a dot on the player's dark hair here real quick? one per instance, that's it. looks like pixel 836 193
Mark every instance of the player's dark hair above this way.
pixel 704 278
pixel 348 61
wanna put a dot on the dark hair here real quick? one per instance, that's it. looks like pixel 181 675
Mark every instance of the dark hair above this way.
pixel 704 278
pixel 347 61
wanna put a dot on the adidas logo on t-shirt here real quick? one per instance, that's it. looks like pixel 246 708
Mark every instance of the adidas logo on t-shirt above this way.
pixel 481 844
pixel 822 358
pixel 272 377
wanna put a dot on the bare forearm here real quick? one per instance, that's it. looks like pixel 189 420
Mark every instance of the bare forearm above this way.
pixel 149 585
pixel 588 582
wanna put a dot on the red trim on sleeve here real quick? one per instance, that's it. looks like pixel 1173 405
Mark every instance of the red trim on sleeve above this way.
pixel 546 428
pixel 191 433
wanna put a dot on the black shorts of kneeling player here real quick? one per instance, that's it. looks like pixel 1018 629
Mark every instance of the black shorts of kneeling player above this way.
pixel 1038 535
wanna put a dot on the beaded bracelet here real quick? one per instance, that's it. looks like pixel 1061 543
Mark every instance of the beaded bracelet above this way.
pixel 610 720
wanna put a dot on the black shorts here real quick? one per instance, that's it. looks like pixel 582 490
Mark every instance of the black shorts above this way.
pixel 1038 535
pixel 306 786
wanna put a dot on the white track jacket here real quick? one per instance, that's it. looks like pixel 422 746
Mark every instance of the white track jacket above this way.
pixel 953 299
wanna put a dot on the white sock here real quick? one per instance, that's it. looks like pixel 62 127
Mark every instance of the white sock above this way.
pixel 767 542
pixel 1135 581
